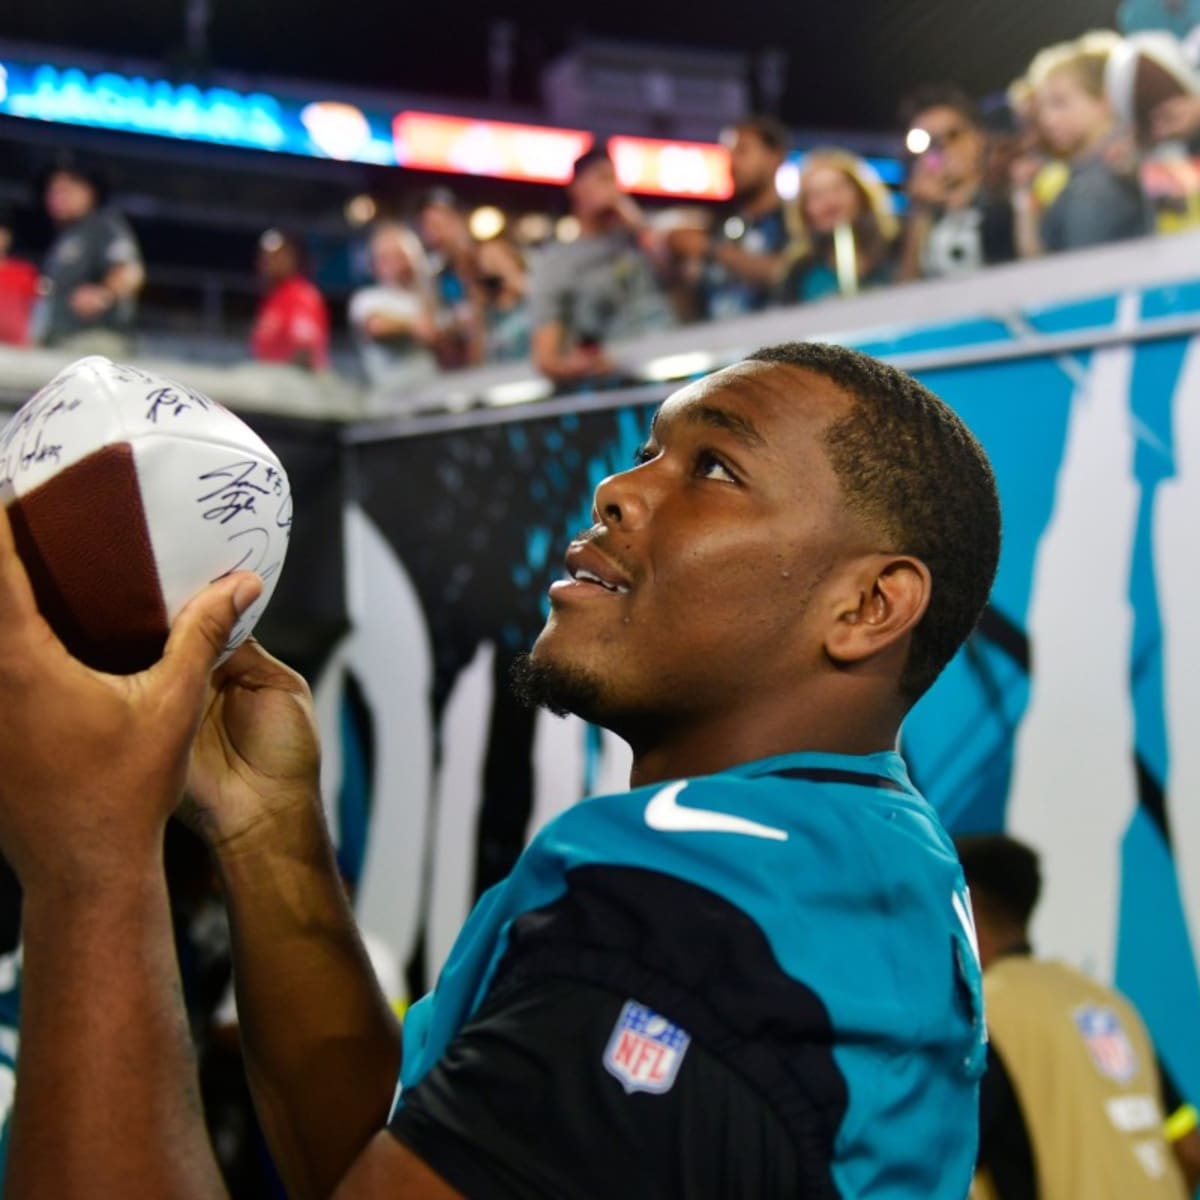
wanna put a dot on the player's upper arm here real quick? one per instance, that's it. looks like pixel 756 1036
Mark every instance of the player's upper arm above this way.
pixel 389 1169
pixel 563 1089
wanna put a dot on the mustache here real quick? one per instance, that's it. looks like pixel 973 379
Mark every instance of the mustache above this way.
pixel 599 536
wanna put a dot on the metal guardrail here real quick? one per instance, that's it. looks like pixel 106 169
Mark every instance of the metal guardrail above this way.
pixel 1023 346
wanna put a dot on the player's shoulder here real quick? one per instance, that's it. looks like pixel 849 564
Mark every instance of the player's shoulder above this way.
pixel 794 802
pixel 847 835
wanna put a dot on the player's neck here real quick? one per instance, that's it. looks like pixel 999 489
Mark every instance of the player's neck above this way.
pixel 717 744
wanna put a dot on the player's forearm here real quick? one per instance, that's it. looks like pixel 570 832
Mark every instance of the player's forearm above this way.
pixel 105 1049
pixel 322 1047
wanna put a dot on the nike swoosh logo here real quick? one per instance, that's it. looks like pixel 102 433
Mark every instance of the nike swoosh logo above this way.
pixel 666 814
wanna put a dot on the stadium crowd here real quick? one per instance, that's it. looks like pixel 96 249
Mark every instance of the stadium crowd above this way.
pixel 1094 143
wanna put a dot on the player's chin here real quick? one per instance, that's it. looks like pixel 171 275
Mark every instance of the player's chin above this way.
pixel 558 682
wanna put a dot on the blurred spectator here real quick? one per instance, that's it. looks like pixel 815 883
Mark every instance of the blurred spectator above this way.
pixel 445 232
pixel 1155 91
pixel 18 289
pixel 292 325
pixel 1070 1105
pixel 598 288
pixel 844 228
pixel 957 220
pixel 93 271
pixel 685 238
pixel 748 251
pixel 392 321
pixel 503 285
pixel 1178 17
pixel 1101 200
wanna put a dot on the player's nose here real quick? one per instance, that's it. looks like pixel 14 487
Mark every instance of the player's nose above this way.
pixel 623 500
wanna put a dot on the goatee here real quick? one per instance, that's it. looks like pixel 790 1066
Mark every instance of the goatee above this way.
pixel 560 690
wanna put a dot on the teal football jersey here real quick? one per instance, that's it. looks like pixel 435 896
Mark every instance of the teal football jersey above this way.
pixel 867 992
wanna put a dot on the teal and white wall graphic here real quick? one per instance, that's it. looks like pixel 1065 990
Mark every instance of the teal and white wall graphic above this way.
pixel 1070 718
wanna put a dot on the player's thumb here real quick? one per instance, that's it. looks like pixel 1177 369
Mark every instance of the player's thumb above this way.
pixel 202 630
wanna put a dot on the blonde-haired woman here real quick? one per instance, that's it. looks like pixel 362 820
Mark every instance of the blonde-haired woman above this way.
pixel 843 226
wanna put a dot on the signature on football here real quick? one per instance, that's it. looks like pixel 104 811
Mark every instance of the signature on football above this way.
pixel 172 400
pixel 246 486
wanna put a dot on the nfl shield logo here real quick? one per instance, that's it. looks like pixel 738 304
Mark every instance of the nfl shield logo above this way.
pixel 645 1050
pixel 1107 1043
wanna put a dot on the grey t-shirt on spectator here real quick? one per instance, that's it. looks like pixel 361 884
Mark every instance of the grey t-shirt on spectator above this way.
pixel 1096 205
pixel 600 287
pixel 84 252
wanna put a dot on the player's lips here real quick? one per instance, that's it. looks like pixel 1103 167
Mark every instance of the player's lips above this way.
pixel 591 570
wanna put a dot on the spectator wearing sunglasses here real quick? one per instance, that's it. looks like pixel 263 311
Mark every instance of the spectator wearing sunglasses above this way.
pixel 958 221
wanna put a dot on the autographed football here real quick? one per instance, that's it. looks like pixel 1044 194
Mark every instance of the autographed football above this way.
pixel 127 493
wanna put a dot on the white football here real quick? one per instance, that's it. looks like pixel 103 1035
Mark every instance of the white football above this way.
pixel 127 493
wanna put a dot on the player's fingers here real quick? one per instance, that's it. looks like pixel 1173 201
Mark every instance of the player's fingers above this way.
pixel 18 608
pixel 201 632
pixel 250 666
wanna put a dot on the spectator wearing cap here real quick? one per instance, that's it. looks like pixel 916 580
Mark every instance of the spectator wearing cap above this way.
pixel 1102 199
pixel 292 324
pixel 958 219
pixel 599 288
pixel 503 289
pixel 844 228
pixel 18 289
pixel 747 256
pixel 445 232
pixel 93 271
pixel 392 320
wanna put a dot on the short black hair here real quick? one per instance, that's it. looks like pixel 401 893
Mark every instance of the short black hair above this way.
pixel 1001 872
pixel 912 470
pixel 438 197
pixel 71 165
pixel 597 154
pixel 771 131
pixel 939 95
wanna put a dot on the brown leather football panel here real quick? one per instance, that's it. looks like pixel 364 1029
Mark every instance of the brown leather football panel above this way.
pixel 83 538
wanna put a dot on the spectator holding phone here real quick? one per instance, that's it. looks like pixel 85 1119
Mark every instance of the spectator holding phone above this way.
pixel 445 232
pixel 747 254
pixel 598 288
pixel 503 287
pixel 958 221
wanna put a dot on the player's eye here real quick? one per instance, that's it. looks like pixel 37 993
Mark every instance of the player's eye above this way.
pixel 644 453
pixel 710 466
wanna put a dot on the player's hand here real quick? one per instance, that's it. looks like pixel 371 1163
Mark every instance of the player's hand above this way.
pixel 94 764
pixel 256 757
pixel 89 300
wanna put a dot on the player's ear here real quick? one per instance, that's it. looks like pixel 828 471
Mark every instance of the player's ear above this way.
pixel 883 599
